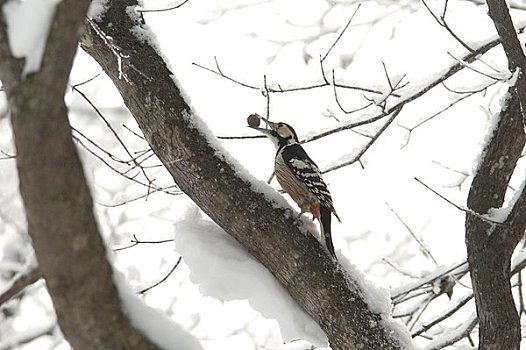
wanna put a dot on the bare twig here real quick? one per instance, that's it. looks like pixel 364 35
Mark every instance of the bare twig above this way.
pixel 446 74
pixel 442 22
pixel 135 241
pixel 289 89
pixel 364 149
pixel 149 186
pixel 133 132
pixel 461 332
pixel 146 195
pixel 266 94
pixel 463 175
pixel 478 71
pixel 400 292
pixel 20 283
pixel 241 137
pixel 163 9
pixel 466 210
pixel 6 155
pixel 73 86
pixel 413 319
pixel 424 327
pixel 341 33
pixel 399 270
pixel 142 291
pixel 338 100
pixel 418 240
pixel 116 136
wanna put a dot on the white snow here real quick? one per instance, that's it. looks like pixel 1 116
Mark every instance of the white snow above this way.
pixel 144 33
pixel 378 300
pixel 155 324
pixel 226 271
pixel 440 270
pixel 502 213
pixel 453 334
pixel 97 9
pixel 251 39
pixel 28 24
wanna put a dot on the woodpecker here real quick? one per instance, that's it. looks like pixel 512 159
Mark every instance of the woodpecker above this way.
pixel 300 177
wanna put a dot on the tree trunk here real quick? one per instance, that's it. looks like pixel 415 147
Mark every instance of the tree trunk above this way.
pixel 59 209
pixel 490 246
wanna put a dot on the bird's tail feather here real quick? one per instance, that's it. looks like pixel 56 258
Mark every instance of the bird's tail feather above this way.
pixel 325 225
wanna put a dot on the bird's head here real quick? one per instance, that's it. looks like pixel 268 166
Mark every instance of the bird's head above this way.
pixel 280 133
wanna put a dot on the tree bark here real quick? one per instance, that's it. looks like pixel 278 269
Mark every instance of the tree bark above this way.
pixel 317 283
pixel 490 246
pixel 58 204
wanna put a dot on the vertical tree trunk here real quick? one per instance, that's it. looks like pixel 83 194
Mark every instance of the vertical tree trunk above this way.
pixel 490 246
pixel 59 209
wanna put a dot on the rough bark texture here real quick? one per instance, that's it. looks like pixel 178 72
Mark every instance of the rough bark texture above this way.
pixel 490 246
pixel 313 279
pixel 59 209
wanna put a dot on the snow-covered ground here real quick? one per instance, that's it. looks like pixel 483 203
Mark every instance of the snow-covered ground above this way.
pixel 218 292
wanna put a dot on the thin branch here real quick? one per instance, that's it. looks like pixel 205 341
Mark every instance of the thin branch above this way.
pixel 424 327
pixel 446 74
pixel 418 240
pixel 73 86
pixel 463 175
pixel 142 291
pixel 20 283
pixel 399 270
pixel 285 90
pixel 440 111
pixel 150 186
pixel 146 195
pixel 338 100
pixel 373 139
pixel 341 33
pixel 398 293
pixel 162 9
pixel 135 241
pixel 470 67
pixel 241 137
pixel 442 22
pixel 133 132
pixel 115 135
pixel 461 332
pixel 6 155
pixel 413 319
pixel 266 94
pixel 468 211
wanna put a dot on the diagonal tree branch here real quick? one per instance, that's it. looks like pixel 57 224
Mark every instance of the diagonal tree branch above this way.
pixel 20 283
pixel 318 284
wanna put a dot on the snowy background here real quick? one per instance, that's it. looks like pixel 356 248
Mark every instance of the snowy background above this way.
pixel 218 292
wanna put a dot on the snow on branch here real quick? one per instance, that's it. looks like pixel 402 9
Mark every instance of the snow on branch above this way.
pixel 239 204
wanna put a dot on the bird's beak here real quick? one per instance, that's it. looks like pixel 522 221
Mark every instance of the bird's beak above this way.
pixel 269 131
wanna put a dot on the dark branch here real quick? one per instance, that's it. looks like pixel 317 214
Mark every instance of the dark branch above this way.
pixel 20 283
